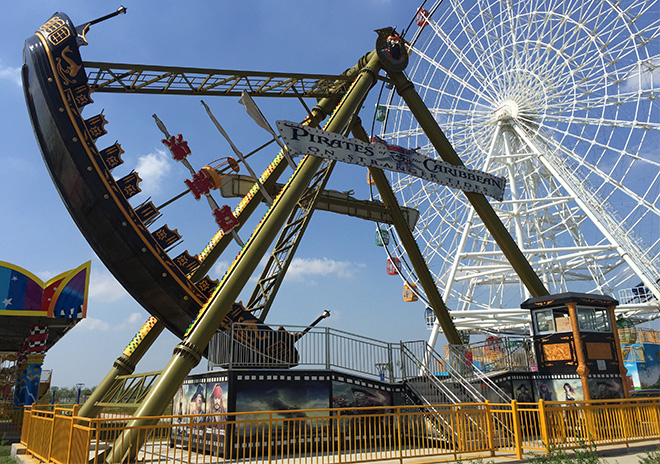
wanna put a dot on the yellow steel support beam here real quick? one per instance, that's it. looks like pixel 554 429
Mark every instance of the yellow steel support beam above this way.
pixel 427 122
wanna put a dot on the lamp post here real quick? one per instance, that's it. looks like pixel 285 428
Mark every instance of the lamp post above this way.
pixel 80 387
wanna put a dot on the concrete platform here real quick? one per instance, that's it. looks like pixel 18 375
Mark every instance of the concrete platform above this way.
pixel 612 454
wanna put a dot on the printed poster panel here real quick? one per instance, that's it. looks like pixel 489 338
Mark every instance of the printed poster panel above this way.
pixel 290 400
pixel 605 389
pixel 365 426
pixel 649 371
pixel 345 395
pixel 208 402
pixel 216 407
pixel 284 396
pixel 522 391
pixel 559 390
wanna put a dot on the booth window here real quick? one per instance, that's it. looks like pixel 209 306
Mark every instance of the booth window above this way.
pixel 593 319
pixel 544 321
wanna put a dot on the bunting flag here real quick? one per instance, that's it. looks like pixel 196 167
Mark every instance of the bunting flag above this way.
pixel 237 152
pixel 255 113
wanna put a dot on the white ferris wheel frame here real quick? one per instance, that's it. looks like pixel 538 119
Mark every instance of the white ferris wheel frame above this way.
pixel 533 122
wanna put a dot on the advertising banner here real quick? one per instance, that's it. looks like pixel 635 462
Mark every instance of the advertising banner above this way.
pixel 305 140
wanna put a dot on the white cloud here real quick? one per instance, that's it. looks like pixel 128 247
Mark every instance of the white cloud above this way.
pixel 219 269
pixel 152 168
pixel 644 77
pixel 133 318
pixel 10 74
pixel 92 324
pixel 305 268
pixel 105 287
pixel 133 321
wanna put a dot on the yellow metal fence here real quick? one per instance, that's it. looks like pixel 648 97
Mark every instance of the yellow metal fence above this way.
pixel 58 435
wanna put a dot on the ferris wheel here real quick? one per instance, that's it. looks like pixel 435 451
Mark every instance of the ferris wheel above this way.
pixel 558 98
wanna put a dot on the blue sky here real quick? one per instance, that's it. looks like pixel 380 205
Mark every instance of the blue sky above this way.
pixel 337 267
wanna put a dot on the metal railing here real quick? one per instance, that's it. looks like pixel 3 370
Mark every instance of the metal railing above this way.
pixel 347 435
pixel 460 362
pixel 254 346
pixel 498 354
pixel 638 335
pixel 258 346
pixel 424 365
pixel 434 380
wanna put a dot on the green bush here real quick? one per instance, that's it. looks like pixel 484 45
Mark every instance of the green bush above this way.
pixel 585 454
pixel 651 458
pixel 5 455
pixel 473 461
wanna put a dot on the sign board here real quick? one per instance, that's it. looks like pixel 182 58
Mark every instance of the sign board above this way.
pixel 307 140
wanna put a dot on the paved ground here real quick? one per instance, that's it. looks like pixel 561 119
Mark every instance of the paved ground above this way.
pixel 613 454
pixel 630 455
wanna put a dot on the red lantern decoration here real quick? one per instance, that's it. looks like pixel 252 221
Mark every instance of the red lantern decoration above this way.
pixel 225 219
pixel 200 184
pixel 178 147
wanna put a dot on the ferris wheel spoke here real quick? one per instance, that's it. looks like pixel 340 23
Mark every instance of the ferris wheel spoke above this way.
pixel 455 49
pixel 606 150
pixel 614 183
pixel 614 123
pixel 451 74
pixel 614 72
pixel 551 57
pixel 493 37
pixel 621 77
pixel 584 52
pixel 410 133
pixel 475 36
pixel 610 103
pixel 457 99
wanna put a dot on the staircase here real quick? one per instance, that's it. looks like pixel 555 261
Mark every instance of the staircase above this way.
pixel 440 384
pixel 436 381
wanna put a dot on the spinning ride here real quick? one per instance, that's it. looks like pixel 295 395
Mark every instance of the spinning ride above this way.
pixel 129 237
pixel 135 247
pixel 558 98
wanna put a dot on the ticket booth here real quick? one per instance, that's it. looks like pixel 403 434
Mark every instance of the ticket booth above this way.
pixel 575 337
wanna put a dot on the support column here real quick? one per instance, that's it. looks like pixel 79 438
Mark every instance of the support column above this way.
pixel 29 364
pixel 20 384
pixel 582 369
pixel 33 378
pixel 406 89
pixel 124 365
pixel 410 245
pixel 189 352
pixel 619 353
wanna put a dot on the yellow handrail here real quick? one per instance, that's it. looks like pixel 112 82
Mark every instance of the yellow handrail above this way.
pixel 58 435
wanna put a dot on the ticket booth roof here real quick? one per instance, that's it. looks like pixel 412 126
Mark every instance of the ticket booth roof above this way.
pixel 561 299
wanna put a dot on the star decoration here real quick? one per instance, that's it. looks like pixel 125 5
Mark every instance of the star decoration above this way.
pixel 6 302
